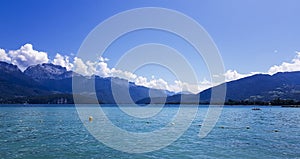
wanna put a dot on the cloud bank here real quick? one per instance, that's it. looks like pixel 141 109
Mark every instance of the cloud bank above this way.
pixel 231 75
pixel 27 56
pixel 63 61
pixel 294 65
pixel 24 57
pixel 4 57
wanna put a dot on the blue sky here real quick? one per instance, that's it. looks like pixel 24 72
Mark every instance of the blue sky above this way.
pixel 252 36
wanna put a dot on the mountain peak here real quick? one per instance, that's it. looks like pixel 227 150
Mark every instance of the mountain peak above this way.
pixel 7 67
pixel 47 71
pixel 57 69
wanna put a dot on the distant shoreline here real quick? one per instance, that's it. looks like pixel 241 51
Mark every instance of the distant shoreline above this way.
pixel 116 105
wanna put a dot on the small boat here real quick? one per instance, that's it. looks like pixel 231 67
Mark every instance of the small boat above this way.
pixel 255 108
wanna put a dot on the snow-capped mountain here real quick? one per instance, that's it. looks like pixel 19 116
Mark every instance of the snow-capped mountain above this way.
pixel 48 71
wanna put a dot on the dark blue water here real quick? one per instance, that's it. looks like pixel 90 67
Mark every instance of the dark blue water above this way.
pixel 57 132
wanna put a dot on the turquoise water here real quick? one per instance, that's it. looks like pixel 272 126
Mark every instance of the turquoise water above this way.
pixel 57 132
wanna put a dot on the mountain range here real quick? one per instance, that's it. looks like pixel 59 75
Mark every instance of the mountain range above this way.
pixel 278 89
pixel 53 84
pixel 49 83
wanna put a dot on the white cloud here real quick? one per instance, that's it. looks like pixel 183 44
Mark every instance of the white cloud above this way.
pixel 79 66
pixel 294 65
pixel 231 75
pixel 122 74
pixel 157 83
pixel 140 80
pixel 103 71
pixel 176 86
pixel 89 68
pixel 63 61
pixel 26 56
pixel 205 84
pixel 103 59
pixel 179 86
pixel 4 56
pixel 92 68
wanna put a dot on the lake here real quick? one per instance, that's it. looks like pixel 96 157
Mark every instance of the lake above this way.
pixel 56 131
